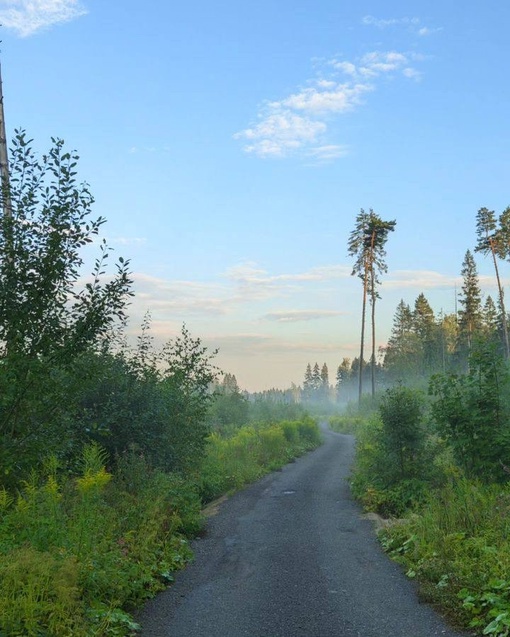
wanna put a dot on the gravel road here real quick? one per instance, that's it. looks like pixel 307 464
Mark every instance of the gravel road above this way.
pixel 291 556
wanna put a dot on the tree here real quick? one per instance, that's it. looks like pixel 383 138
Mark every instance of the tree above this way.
pixel 324 387
pixel 472 413
pixel 47 319
pixel 308 383
pixel 316 382
pixel 400 353
pixel 343 375
pixel 494 240
pixel 228 406
pixel 470 316
pixel 490 320
pixel 403 434
pixel 367 244
pixel 428 334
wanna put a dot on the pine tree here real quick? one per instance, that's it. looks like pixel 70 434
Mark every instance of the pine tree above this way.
pixel 494 240
pixel 367 244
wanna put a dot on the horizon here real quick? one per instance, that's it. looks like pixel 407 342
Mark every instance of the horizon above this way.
pixel 230 149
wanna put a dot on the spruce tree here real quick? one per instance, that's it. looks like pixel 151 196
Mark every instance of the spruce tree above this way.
pixel 490 320
pixel 308 383
pixel 324 383
pixel 316 381
pixel 343 375
pixel 427 333
pixel 470 316
pixel 401 351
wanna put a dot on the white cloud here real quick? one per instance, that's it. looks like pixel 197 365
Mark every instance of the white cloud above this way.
pixel 382 23
pixel 346 67
pixel 411 73
pixel 280 133
pixel 424 31
pixel 420 279
pixel 378 62
pixel 250 273
pixel 129 241
pixel 412 24
pixel 27 17
pixel 342 98
pixel 299 124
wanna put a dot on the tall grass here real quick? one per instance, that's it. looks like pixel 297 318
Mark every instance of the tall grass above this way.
pixel 75 552
pixel 77 555
pixel 459 548
pixel 235 460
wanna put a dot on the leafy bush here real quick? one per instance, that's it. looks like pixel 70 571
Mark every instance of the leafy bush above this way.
pixel 96 545
pixel 473 414
pixel 397 458
pixel 250 452
pixel 402 435
pixel 458 548
pixel 346 424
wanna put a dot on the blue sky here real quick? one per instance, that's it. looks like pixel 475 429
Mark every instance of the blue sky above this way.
pixel 231 145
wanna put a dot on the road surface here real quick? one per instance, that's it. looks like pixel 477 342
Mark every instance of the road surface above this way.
pixel 291 556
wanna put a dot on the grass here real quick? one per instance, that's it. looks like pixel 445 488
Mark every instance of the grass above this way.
pixel 458 547
pixel 77 555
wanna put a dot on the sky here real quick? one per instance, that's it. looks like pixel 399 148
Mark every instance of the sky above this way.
pixel 230 146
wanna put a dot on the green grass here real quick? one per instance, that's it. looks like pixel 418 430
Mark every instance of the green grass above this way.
pixel 458 547
pixel 79 554
pixel 250 452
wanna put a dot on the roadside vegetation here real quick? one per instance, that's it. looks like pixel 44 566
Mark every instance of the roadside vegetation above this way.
pixel 108 452
pixel 433 453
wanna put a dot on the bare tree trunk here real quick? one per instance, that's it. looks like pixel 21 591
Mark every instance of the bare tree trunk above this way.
pixel 373 345
pixel 4 161
pixel 362 346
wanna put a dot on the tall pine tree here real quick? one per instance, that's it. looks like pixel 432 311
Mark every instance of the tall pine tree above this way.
pixel 493 239
pixel 367 245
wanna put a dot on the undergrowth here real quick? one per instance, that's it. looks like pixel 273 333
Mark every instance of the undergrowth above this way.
pixel 79 554
pixel 458 547
pixel 250 452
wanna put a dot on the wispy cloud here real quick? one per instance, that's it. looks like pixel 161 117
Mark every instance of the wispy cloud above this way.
pixel 429 279
pixel 293 316
pixel 382 23
pixel 27 17
pixel 129 241
pixel 177 299
pixel 242 288
pixel 135 150
pixel 297 125
pixel 414 25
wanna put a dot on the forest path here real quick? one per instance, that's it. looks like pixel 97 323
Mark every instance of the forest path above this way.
pixel 291 556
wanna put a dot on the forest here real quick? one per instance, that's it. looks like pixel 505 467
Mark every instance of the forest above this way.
pixel 109 451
